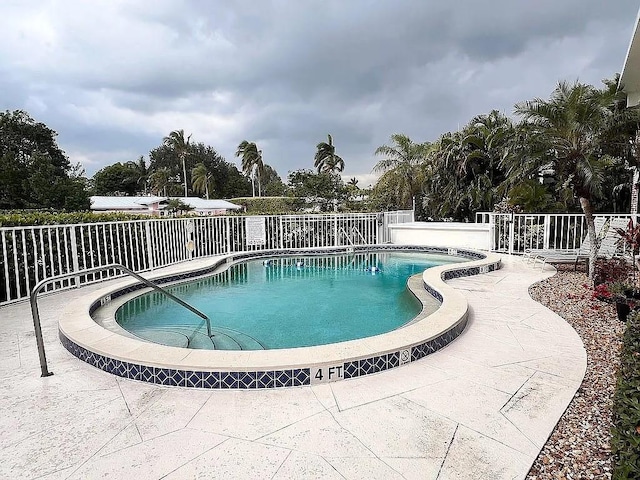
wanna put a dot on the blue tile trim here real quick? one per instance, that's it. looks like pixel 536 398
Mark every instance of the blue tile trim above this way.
pixel 252 380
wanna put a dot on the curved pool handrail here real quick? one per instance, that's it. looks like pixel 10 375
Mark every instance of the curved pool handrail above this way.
pixel 33 298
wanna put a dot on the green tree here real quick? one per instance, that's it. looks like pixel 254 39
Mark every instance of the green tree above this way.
pixel 160 180
pixel 273 185
pixel 176 206
pixel 565 134
pixel 404 158
pixel 140 174
pixel 326 160
pixel 251 162
pixel 34 171
pixel 228 181
pixel 176 141
pixel 116 179
pixel 202 179
pixel 318 189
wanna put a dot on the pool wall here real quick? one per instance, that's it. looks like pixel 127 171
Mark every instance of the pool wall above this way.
pixel 165 365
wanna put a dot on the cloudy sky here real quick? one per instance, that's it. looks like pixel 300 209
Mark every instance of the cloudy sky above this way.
pixel 113 77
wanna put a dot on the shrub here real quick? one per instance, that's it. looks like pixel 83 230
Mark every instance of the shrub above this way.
pixel 611 270
pixel 28 218
pixel 270 205
pixel 625 441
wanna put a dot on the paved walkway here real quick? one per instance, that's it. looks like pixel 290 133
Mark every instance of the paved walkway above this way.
pixel 482 407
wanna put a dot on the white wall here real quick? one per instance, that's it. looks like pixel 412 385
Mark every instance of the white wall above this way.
pixel 442 234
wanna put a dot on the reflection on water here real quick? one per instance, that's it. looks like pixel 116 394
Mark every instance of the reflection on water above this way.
pixel 286 302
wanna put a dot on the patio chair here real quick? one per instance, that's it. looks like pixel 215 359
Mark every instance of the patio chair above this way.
pixel 530 254
pixel 608 247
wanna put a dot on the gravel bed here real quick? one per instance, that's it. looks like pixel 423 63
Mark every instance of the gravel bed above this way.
pixel 578 448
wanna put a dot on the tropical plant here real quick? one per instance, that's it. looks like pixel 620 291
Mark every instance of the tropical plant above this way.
pixel 160 180
pixel 140 173
pixel 251 162
pixel 402 167
pixel 176 141
pixel 326 160
pixel 201 179
pixel 564 134
pixel 177 206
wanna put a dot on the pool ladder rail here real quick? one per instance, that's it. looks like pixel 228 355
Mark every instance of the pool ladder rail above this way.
pixel 33 298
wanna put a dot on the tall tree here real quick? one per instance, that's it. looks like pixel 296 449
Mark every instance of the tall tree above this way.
pixel 34 171
pixel 565 134
pixel 140 174
pixel 116 179
pixel 201 179
pixel 160 180
pixel 176 141
pixel 326 160
pixel 404 158
pixel 251 162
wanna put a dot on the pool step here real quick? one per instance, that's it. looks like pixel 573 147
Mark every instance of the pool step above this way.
pixel 186 337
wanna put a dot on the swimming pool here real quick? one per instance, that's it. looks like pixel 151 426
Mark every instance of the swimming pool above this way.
pixel 87 329
pixel 286 302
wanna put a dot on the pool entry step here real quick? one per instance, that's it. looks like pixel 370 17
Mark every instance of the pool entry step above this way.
pixel 180 336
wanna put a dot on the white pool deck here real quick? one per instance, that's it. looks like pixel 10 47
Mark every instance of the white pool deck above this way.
pixel 482 407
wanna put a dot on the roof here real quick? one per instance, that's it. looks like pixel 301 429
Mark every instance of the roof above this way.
pixel 630 77
pixel 123 203
pixel 142 203
pixel 203 204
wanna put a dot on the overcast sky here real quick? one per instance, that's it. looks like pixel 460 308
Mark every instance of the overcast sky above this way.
pixel 113 77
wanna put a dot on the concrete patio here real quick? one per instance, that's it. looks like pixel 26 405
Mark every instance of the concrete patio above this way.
pixel 482 407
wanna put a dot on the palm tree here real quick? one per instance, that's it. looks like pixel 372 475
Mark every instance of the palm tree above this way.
pixel 141 172
pixel 565 133
pixel 326 160
pixel 176 206
pixel 160 180
pixel 201 178
pixel 251 162
pixel 176 141
pixel 353 182
pixel 404 158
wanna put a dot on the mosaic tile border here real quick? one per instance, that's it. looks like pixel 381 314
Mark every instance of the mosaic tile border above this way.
pixel 350 368
pixel 257 379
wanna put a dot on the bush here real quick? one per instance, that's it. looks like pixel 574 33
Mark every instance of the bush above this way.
pixel 18 218
pixel 625 441
pixel 270 205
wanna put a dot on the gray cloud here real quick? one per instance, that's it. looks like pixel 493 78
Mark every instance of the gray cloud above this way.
pixel 114 77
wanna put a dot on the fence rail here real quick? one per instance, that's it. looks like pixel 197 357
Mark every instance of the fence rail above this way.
pixel 514 233
pixel 31 254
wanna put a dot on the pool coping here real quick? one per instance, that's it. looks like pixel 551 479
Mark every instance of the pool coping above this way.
pixel 165 365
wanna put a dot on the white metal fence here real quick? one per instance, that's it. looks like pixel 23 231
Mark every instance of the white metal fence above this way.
pixel 514 233
pixel 30 254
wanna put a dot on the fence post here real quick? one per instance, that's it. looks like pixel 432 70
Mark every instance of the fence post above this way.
pixel 547 231
pixel 226 221
pixel 511 234
pixel 335 230
pixel 281 229
pixel 147 231
pixel 492 232
pixel 74 254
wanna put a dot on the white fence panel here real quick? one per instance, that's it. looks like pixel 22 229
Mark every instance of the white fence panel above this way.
pixel 515 233
pixel 33 253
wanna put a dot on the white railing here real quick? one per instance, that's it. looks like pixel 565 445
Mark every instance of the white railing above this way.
pixel 514 233
pixel 31 254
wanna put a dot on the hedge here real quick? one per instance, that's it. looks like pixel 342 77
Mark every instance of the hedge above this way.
pixel 625 441
pixel 29 218
pixel 270 205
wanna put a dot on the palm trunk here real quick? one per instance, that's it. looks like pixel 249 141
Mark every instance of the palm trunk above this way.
pixel 184 173
pixel 587 208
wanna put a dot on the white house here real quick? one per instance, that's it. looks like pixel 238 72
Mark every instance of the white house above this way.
pixel 151 205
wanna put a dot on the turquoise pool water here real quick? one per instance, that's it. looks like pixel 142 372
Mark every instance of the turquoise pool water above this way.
pixel 288 302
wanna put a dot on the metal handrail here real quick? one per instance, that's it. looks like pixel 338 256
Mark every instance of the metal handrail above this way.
pixel 113 266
